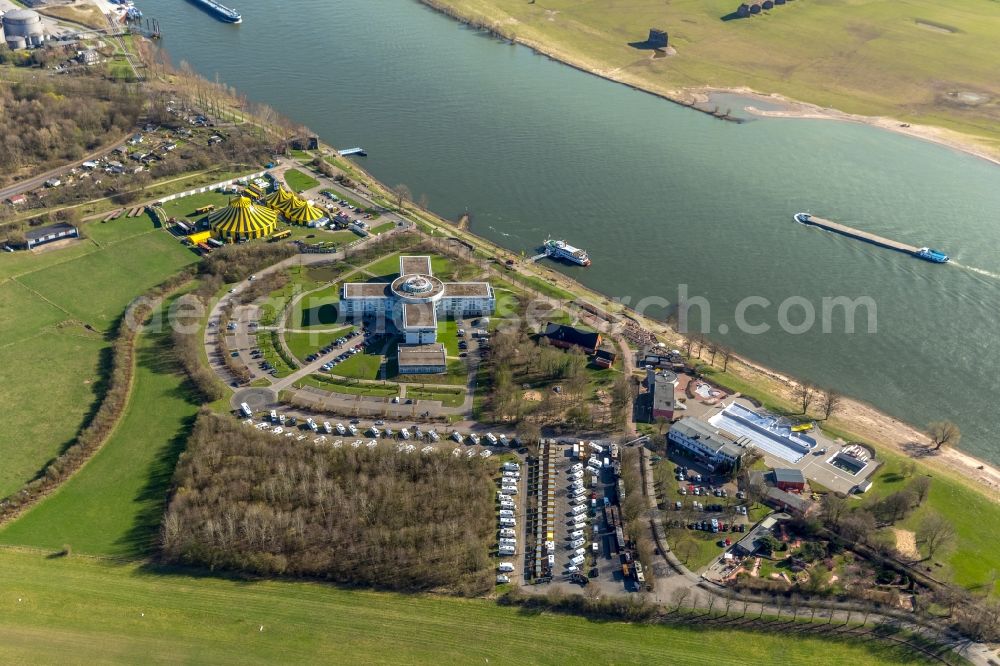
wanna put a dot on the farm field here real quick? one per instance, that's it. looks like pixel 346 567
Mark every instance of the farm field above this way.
pixel 113 506
pixel 906 59
pixel 82 610
pixel 45 350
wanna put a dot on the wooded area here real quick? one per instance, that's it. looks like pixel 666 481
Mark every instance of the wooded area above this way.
pixel 246 500
pixel 43 124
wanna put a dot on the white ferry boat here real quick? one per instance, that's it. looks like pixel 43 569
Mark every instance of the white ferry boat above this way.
pixel 560 249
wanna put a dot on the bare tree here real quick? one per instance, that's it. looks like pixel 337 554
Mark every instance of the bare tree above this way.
pixel 833 507
pixel 831 401
pixel 402 194
pixel 936 532
pixel 920 487
pixel 679 596
pixel 726 353
pixel 944 434
pixel 804 395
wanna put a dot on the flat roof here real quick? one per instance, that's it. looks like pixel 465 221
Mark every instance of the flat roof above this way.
pixel 415 265
pixel 695 428
pixel 365 290
pixel 421 355
pixel 480 289
pixel 419 315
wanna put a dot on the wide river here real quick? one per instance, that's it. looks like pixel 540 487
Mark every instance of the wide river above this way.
pixel 660 195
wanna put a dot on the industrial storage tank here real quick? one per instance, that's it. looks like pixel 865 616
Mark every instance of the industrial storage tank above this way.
pixel 23 27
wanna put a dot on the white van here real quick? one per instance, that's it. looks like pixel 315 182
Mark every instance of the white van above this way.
pixel 474 438
pixel 340 429
pixel 457 436
pixel 579 509
pixel 274 416
pixel 354 431
pixel 506 567
pixel 491 438
pixel 508 522
pixel 326 427
pixel 511 467
pixel 506 550
pixel 404 433
pixel 577 560
pixel 374 431
pixel 433 435
pixel 506 513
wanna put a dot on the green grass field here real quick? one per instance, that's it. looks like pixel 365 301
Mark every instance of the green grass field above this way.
pixel 360 366
pixel 447 334
pixel 104 282
pixel 385 268
pixel 382 228
pixel 46 353
pixel 185 207
pixel 114 505
pixel 317 309
pixel 865 56
pixel 300 181
pixel 303 344
pixel 80 610
pixel 973 560
pixel 266 345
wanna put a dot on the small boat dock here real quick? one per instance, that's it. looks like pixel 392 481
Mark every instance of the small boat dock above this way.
pixel 851 232
pixel 352 151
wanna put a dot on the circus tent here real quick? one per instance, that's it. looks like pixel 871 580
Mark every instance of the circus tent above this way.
pixel 243 220
pixel 280 200
pixel 304 212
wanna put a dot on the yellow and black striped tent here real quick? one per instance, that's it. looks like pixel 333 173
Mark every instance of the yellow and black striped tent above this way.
pixel 242 219
pixel 280 200
pixel 303 212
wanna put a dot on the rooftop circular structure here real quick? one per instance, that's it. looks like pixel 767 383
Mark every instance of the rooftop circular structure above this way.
pixel 417 288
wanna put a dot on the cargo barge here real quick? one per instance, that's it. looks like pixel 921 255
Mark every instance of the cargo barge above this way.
pixel 925 253
pixel 220 11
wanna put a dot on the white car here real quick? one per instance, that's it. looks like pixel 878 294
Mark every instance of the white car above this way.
pixel 502 578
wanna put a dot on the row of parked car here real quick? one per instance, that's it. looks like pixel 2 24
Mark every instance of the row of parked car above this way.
pixel 510 478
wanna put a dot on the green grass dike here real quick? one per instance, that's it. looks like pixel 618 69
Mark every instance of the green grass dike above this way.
pixel 84 610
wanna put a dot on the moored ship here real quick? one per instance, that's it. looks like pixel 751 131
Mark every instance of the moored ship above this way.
pixel 560 249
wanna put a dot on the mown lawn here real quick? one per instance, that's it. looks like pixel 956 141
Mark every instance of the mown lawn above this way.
pixel 299 181
pixel 114 505
pixel 80 610
pixel 449 397
pixel 359 366
pixel 317 309
pixel 973 559
pixel 303 344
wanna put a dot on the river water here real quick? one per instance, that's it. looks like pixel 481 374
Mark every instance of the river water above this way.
pixel 660 195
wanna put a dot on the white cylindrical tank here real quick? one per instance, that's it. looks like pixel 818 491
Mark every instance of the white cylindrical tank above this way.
pixel 23 27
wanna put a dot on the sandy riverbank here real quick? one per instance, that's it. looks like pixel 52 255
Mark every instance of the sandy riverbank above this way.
pixel 791 108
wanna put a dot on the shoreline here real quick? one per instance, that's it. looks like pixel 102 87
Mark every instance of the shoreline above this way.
pixel 698 98
pixel 858 418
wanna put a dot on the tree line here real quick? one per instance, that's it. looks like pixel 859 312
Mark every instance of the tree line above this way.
pixel 246 500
